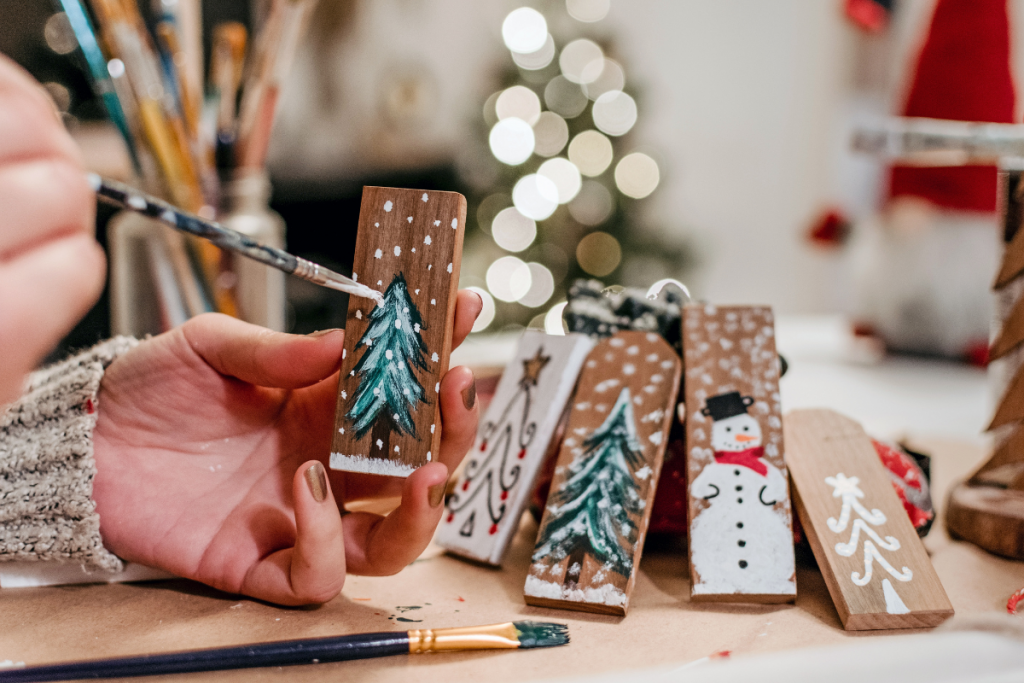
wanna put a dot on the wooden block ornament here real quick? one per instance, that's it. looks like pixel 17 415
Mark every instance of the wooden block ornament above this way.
pixel 741 525
pixel 595 521
pixel 409 246
pixel 483 513
pixel 875 566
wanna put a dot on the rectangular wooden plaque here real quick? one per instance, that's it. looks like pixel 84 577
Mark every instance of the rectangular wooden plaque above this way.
pixel 741 522
pixel 595 521
pixel 409 247
pixel 496 483
pixel 875 566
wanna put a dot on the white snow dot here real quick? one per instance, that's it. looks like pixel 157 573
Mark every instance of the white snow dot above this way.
pixel 380 444
pixel 633 350
pixel 388 206
pixel 378 253
pixel 398 324
pixel 424 196
pixel 405 310
pixel 388 354
pixel 341 431
pixel 344 353
pixel 652 358
pixel 368 342
pixel 405 391
pixel 455 224
pixel 433 357
pixel 437 222
pixel 352 374
pixel 417 291
pixel 432 428
pixel 437 387
pixel 416 328
pixel 449 267
pixel 414 250
pixel 430 266
pixel 376 225
pixel 617 342
pixel 396 447
pixel 169 217
pixel 398 251
pixel 409 219
pixel 359 314
pixel 376 391
pixel 396 417
pixel 344 394
pixel 427 240
pixel 628 369
pixel 433 302
pixel 428 456
pixel 379 283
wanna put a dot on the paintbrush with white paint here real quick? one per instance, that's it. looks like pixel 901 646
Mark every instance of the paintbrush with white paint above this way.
pixel 131 199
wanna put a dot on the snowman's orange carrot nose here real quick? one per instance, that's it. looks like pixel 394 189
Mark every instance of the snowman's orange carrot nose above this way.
pixel 743 438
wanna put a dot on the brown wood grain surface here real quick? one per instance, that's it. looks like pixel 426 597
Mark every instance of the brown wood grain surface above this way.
pixel 409 247
pixel 875 566
pixel 606 475
pixel 740 516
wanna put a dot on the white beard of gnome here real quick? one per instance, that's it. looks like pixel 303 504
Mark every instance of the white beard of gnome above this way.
pixel 740 543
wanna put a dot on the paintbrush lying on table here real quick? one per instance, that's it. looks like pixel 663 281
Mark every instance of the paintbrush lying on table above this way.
pixel 522 635
pixel 131 199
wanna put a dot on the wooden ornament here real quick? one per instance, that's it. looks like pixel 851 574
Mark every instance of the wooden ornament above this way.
pixel 595 521
pixel 1011 203
pixel 409 247
pixel 1011 404
pixel 1012 333
pixel 484 510
pixel 740 519
pixel 875 566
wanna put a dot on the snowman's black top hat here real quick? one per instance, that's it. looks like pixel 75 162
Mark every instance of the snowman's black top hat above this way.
pixel 726 405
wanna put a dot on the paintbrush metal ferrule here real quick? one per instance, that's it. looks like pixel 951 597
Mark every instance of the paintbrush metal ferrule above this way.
pixel 325 277
pixel 493 637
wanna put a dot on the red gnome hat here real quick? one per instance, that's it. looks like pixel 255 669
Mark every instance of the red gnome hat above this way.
pixel 963 74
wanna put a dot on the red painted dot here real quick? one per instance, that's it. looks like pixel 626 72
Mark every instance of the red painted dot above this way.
pixel 504 495
pixel 451 517
pixel 494 529
pixel 90 407
pixel 465 485
pixel 483 446
pixel 522 453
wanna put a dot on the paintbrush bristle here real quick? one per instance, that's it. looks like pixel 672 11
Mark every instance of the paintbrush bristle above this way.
pixel 541 634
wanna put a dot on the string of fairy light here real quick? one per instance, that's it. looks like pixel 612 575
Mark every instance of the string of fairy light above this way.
pixel 525 125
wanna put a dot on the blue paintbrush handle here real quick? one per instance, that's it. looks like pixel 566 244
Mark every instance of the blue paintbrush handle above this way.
pixel 285 653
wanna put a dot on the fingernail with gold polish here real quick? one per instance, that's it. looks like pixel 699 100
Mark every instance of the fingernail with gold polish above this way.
pixel 316 480
pixel 469 396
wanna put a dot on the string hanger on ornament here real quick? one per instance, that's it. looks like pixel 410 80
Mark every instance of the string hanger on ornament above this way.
pixel 654 291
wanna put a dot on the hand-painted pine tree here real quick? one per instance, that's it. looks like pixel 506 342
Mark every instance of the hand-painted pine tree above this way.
pixel 388 390
pixel 592 511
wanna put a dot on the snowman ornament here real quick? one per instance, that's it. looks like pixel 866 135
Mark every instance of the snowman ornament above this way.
pixel 739 543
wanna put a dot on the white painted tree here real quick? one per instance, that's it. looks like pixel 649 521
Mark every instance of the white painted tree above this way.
pixel 847 489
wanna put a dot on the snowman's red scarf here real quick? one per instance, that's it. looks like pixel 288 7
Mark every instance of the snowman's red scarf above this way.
pixel 749 458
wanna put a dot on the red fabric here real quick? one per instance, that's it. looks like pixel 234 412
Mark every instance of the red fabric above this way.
pixel 906 470
pixel 830 229
pixel 867 14
pixel 749 458
pixel 963 74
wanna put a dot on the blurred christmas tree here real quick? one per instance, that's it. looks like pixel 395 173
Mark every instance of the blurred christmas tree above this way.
pixel 558 184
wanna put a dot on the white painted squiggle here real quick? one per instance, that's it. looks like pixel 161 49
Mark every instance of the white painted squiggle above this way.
pixel 871 553
pixel 850 547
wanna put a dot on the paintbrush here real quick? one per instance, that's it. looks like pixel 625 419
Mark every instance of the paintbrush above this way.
pixel 522 635
pixel 129 198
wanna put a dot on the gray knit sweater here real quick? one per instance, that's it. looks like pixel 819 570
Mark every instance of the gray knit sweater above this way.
pixel 47 466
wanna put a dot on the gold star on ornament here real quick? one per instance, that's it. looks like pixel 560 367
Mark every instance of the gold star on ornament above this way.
pixel 532 368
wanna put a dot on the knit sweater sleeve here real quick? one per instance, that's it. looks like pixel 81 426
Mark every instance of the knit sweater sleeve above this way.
pixel 47 466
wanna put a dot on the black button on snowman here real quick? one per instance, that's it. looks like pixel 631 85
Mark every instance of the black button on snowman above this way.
pixel 740 543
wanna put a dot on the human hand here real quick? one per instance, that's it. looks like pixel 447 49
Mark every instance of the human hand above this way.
pixel 51 269
pixel 212 439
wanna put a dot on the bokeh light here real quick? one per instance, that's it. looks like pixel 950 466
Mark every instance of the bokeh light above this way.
pixel 512 141
pixel 614 112
pixel 534 61
pixel 566 177
pixel 577 56
pixel 553 320
pixel 58 34
pixel 593 205
pixel 491 206
pixel 551 132
pixel 591 152
pixel 542 286
pixel 565 97
pixel 588 10
pixel 490 115
pixel 637 175
pixel 512 231
pixel 609 77
pixel 486 316
pixel 535 196
pixel 509 279
pixel 518 102
pixel 524 30
pixel 598 254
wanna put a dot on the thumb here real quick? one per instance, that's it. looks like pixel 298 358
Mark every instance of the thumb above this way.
pixel 263 357
pixel 313 571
